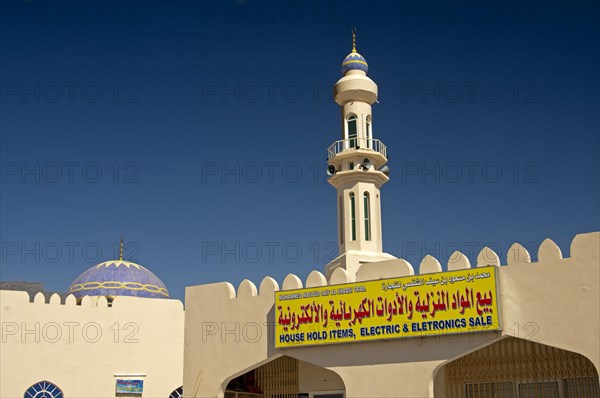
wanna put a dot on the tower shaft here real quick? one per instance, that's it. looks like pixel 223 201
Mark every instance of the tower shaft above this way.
pixel 356 162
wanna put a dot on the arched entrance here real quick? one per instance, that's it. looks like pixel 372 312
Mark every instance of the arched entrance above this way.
pixel 515 368
pixel 286 377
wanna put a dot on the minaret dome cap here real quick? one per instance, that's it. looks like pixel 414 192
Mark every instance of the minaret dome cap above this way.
pixel 354 61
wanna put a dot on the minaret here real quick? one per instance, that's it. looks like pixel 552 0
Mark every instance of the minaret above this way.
pixel 356 165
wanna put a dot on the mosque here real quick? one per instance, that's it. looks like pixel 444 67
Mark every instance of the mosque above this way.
pixel 368 326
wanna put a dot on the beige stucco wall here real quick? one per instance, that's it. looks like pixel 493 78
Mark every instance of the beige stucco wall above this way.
pixel 80 348
pixel 316 378
pixel 554 301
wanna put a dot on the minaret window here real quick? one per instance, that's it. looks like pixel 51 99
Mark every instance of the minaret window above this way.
pixel 367 209
pixel 369 135
pixel 341 219
pixel 352 131
pixel 353 216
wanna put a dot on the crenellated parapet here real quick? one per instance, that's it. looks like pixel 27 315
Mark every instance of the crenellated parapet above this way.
pixel 235 326
pixel 582 246
pixel 21 298
pixel 81 345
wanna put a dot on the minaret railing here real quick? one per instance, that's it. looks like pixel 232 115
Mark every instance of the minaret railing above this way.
pixel 352 144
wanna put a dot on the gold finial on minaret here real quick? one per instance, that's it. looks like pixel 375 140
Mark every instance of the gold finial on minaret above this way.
pixel 354 40
pixel 121 250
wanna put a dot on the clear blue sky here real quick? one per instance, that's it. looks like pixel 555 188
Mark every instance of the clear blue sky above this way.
pixel 198 132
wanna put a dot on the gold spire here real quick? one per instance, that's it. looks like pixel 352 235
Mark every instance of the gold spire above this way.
pixel 121 250
pixel 354 40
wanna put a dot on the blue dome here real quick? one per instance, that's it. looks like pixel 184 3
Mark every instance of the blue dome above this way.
pixel 354 61
pixel 118 278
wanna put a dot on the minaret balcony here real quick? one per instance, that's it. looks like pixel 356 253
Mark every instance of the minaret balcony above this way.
pixel 352 147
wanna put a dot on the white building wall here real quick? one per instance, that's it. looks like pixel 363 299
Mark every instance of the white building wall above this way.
pixel 558 295
pixel 80 348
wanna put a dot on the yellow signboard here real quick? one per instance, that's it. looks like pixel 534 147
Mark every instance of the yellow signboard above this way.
pixel 425 305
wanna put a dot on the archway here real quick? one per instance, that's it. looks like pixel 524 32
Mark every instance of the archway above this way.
pixel 516 368
pixel 286 377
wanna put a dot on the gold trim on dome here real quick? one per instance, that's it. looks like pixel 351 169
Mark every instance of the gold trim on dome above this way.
pixel 117 263
pixel 119 285
pixel 354 61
